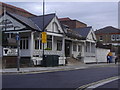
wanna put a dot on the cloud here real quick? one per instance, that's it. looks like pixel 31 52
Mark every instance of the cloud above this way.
pixel 93 13
pixel 96 14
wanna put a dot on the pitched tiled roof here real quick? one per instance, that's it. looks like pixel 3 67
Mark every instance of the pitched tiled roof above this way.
pixel 64 19
pixel 107 30
pixel 73 34
pixel 83 31
pixel 25 21
pixel 15 8
pixel 38 20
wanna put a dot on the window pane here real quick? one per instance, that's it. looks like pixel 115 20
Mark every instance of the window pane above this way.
pixel 79 48
pixel 40 44
pixel 36 44
pixel 74 47
pixel 100 38
pixel 49 44
pixel 21 44
pixel 59 45
pixel 113 37
pixel 26 44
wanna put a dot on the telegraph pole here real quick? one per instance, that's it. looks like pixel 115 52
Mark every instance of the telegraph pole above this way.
pixel 43 26
pixel 18 49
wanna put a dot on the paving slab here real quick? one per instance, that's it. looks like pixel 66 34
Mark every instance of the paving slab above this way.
pixel 52 69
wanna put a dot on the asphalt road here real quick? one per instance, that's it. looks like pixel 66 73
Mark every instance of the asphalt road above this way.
pixel 61 79
pixel 114 84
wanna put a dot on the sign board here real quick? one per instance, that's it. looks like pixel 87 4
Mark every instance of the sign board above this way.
pixel 17 37
pixel 44 37
pixel 10 52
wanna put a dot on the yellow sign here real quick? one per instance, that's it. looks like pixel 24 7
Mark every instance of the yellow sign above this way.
pixel 44 37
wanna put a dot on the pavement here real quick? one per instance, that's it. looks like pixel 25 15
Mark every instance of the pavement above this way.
pixel 28 70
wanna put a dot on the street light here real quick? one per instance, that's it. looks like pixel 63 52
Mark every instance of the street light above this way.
pixel 18 49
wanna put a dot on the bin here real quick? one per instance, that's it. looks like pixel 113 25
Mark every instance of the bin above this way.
pixel 50 61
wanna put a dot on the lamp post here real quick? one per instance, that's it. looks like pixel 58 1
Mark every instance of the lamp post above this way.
pixel 43 28
pixel 18 49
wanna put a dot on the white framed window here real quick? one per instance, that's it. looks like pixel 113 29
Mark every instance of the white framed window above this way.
pixel 79 48
pixel 101 38
pixel 49 42
pixel 24 43
pixel 113 37
pixel 38 44
pixel 74 47
pixel 59 45
pixel 117 37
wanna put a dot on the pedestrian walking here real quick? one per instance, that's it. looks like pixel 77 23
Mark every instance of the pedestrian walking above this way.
pixel 116 59
pixel 109 57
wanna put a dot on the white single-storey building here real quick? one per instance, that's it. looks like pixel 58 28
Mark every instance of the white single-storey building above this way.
pixel 78 43
pixel 81 44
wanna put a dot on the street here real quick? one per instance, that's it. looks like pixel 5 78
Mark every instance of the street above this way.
pixel 61 79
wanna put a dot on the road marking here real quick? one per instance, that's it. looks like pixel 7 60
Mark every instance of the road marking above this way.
pixel 98 83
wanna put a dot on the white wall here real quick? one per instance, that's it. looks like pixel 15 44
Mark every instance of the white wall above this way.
pixel 89 59
pixel 101 54
pixel 76 53
pixel 14 22
pixel 50 26
pixel 26 52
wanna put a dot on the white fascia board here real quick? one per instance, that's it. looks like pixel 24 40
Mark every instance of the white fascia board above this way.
pixel 54 34
pixel 18 31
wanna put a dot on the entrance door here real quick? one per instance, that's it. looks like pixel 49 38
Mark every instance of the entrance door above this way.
pixel 67 48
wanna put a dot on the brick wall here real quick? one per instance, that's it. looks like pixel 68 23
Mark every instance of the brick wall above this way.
pixel 80 24
pixel 106 38
pixel 73 23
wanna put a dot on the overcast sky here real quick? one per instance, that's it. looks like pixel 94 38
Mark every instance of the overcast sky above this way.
pixel 95 14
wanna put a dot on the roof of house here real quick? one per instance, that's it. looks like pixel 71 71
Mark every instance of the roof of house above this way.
pixel 14 7
pixel 73 34
pixel 38 20
pixel 67 19
pixel 83 31
pixel 107 30
pixel 64 19
pixel 28 22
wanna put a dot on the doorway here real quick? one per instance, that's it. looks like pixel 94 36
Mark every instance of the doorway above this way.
pixel 67 48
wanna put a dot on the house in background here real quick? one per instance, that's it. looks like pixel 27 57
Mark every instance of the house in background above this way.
pixel 109 37
pixel 72 23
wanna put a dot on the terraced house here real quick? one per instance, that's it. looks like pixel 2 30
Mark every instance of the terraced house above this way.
pixel 109 37
pixel 61 40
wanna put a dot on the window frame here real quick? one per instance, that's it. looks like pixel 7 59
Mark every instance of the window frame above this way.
pixel 75 47
pixel 101 38
pixel 59 42
pixel 79 48
pixel 113 39
pixel 24 43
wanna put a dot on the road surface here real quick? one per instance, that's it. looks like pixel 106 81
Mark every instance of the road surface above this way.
pixel 61 79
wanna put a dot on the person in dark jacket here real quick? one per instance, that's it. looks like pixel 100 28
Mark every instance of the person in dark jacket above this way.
pixel 116 59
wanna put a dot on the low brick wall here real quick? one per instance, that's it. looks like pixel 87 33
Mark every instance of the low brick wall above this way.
pixel 10 61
